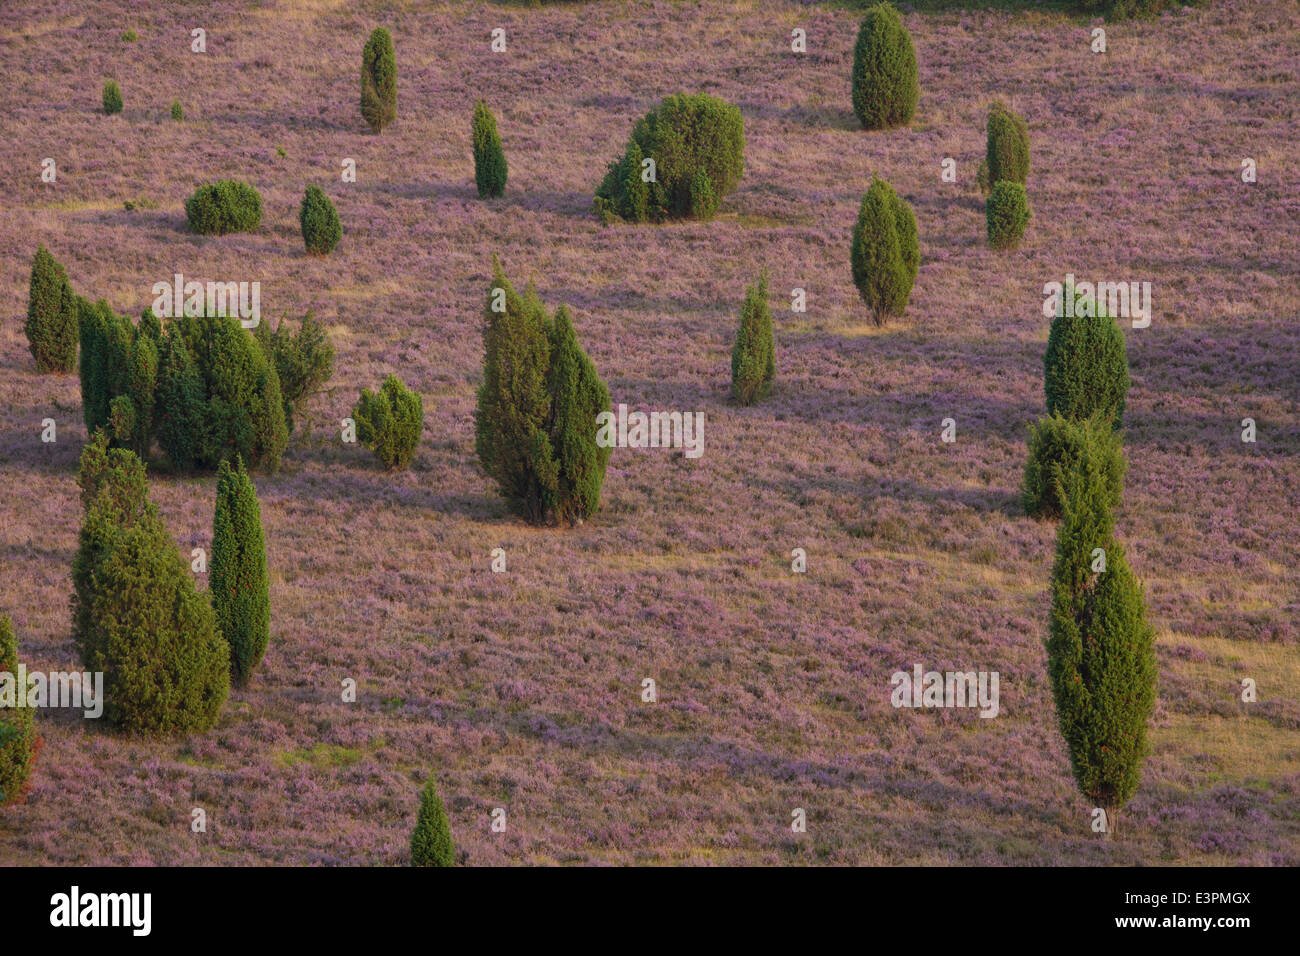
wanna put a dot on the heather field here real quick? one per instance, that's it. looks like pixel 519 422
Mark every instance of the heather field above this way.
pixel 522 690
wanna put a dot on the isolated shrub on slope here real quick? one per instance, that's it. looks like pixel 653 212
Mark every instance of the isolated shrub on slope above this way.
pixel 431 840
pixel 390 422
pixel 1085 367
pixel 19 742
pixel 1100 656
pixel 1056 446
pixel 52 327
pixel 378 80
pixel 697 143
pixel 884 254
pixel 1007 146
pixel 753 358
pixel 319 220
pixel 222 207
pixel 112 98
pixel 884 80
pixel 489 158
pixel 237 576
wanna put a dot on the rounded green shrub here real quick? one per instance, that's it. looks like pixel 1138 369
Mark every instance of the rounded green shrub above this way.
pixel 489 159
pixel 321 229
pixel 178 113
pixel 1007 148
pixel 753 357
pixel 378 80
pixel 884 253
pixel 112 97
pixel 222 207
pixel 1056 447
pixel 19 742
pixel 52 326
pixel 885 89
pixel 237 578
pixel 431 840
pixel 697 144
pixel 1006 213
pixel 390 422
pixel 1085 366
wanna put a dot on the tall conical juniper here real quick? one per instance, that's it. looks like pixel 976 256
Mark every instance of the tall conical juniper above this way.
pixel 19 741
pixel 489 158
pixel 237 577
pixel 577 397
pixel 535 424
pixel 431 840
pixel 753 356
pixel 378 80
pixel 136 615
pixel 1100 655
pixel 513 404
pixel 51 327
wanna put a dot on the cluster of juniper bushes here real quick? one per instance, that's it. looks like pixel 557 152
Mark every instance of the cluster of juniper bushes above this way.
pixel 211 397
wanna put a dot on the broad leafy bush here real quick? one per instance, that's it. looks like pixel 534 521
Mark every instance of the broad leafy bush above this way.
pixel 1006 214
pixel 884 82
pixel 697 143
pixel 884 253
pixel 1056 446
pixel 222 207
pixel 52 325
pixel 321 229
pixel 390 422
